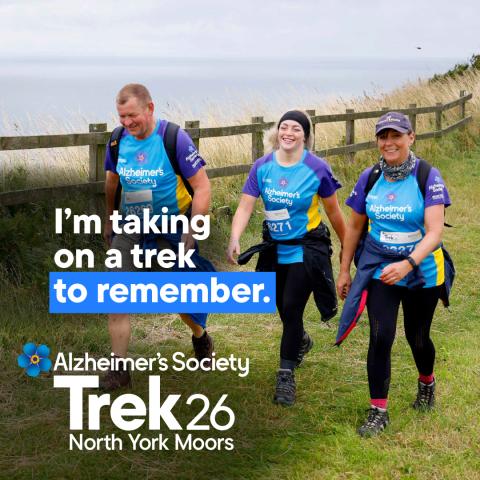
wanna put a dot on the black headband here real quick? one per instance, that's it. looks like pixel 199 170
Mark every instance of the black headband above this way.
pixel 299 117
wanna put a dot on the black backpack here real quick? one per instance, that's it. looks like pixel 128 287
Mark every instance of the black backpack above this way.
pixel 170 143
pixel 423 170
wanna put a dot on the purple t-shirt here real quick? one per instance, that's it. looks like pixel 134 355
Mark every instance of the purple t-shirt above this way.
pixel 188 157
pixel 396 212
pixel 146 173
pixel 291 195
pixel 436 192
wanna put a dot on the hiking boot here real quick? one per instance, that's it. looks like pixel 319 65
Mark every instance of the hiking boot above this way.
pixel 286 388
pixel 375 423
pixel 115 379
pixel 425 396
pixel 305 347
pixel 203 346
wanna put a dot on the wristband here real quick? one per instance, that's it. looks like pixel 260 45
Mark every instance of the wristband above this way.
pixel 412 262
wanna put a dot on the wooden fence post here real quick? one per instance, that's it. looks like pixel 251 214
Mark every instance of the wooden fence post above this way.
pixel 257 140
pixel 195 138
pixel 413 117
pixel 97 134
pixel 350 134
pixel 462 105
pixel 311 114
pixel 438 116
pixel 96 155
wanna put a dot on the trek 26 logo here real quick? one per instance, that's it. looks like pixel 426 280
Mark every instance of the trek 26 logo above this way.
pixel 168 428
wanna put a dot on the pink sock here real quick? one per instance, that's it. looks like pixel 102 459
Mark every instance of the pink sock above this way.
pixel 426 379
pixel 379 402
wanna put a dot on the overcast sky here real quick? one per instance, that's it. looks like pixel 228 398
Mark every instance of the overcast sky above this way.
pixel 245 28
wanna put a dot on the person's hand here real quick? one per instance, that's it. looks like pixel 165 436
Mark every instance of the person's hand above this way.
pixel 394 272
pixel 344 282
pixel 188 240
pixel 233 249
pixel 107 233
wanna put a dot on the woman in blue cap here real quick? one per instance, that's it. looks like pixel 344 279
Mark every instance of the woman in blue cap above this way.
pixel 293 183
pixel 401 261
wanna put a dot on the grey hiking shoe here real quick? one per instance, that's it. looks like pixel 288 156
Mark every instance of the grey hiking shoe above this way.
pixel 203 346
pixel 285 391
pixel 306 346
pixel 375 423
pixel 425 396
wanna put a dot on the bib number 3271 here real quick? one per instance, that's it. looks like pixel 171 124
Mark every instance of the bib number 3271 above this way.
pixel 278 221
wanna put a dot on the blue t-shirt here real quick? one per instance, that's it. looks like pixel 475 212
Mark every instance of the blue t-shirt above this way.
pixel 147 176
pixel 396 212
pixel 291 195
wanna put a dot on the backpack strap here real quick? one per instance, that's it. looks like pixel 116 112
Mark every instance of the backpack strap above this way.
pixel 114 148
pixel 114 143
pixel 423 171
pixel 373 176
pixel 170 143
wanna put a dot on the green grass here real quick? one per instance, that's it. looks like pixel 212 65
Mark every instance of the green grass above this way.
pixel 314 439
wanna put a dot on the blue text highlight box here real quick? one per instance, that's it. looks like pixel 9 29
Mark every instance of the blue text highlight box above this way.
pixel 162 292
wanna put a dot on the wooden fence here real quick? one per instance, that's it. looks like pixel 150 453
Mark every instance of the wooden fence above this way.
pixel 98 136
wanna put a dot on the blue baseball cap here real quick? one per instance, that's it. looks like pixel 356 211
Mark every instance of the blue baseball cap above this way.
pixel 394 120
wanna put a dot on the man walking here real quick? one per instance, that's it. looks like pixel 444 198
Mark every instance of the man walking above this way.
pixel 146 169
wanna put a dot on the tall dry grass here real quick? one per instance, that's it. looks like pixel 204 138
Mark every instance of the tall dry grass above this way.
pixel 228 150
pixel 42 167
pixel 30 168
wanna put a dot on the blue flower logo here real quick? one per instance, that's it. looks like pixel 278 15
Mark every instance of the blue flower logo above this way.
pixel 34 359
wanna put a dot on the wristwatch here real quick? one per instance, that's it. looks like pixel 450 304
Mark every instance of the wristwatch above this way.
pixel 412 262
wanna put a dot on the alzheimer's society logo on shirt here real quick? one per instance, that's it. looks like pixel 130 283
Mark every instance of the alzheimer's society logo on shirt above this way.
pixel 390 197
pixel 141 157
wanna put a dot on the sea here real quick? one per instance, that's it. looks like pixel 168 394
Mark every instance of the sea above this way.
pixel 50 95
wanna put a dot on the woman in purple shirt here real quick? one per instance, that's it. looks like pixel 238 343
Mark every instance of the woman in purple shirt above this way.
pixel 294 184
pixel 404 225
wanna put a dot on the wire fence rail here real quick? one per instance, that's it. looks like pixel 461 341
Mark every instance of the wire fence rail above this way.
pixel 97 138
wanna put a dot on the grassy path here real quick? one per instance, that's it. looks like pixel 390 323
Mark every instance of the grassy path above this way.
pixel 317 437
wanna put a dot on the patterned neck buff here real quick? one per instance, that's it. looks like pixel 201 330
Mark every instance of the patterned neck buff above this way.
pixel 398 172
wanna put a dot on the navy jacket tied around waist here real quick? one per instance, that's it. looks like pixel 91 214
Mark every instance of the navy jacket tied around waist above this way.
pixel 372 256
pixel 317 250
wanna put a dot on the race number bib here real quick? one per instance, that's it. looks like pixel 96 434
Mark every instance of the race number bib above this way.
pixel 136 202
pixel 400 237
pixel 400 242
pixel 278 221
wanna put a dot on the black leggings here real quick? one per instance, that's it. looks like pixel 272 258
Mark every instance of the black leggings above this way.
pixel 293 289
pixel 418 308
